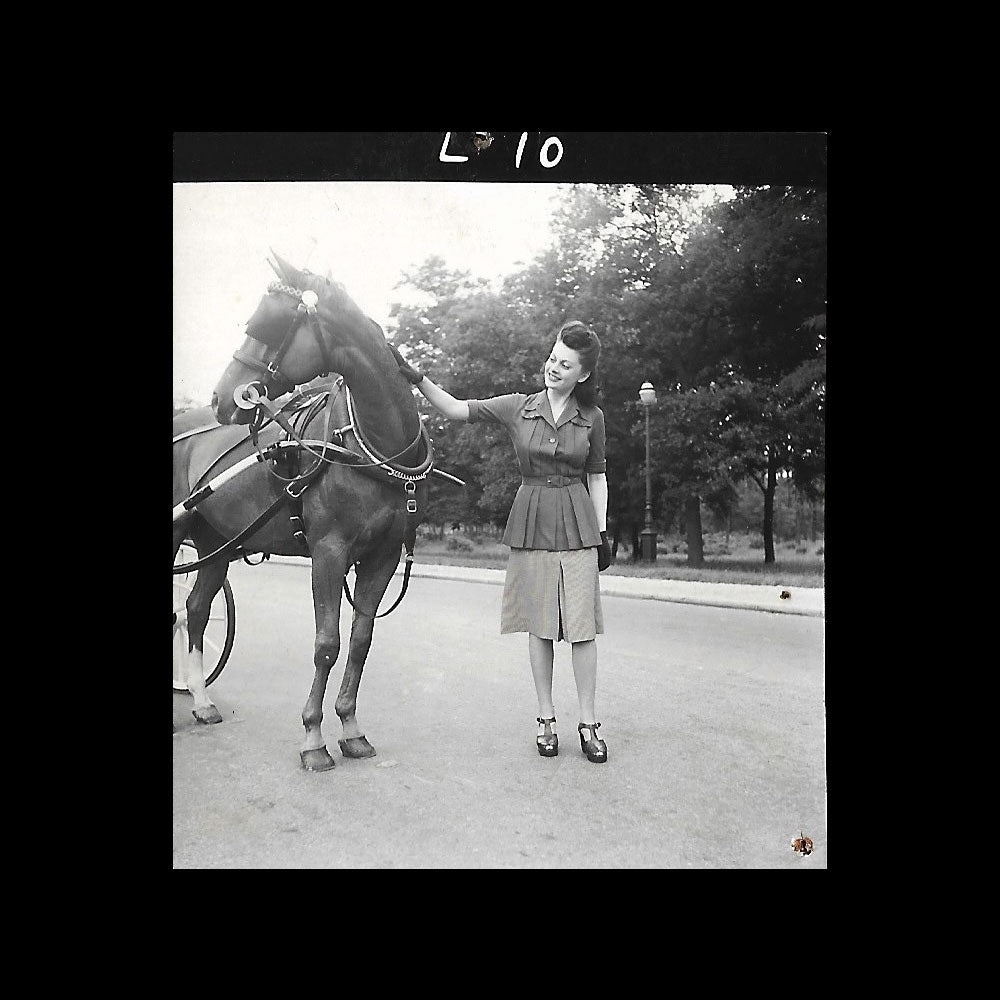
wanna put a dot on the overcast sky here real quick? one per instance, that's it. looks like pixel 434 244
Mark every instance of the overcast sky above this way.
pixel 366 233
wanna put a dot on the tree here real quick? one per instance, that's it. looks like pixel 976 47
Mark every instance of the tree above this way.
pixel 609 242
pixel 693 464
pixel 475 344
pixel 746 314
pixel 722 307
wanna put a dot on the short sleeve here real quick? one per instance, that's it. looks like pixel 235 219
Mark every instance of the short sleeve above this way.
pixel 497 409
pixel 596 459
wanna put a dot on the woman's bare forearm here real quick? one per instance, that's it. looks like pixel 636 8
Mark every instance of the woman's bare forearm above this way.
pixel 597 484
pixel 443 401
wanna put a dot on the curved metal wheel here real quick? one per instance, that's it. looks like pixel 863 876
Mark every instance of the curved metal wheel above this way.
pixel 221 628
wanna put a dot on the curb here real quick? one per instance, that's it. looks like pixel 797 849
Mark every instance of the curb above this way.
pixel 808 601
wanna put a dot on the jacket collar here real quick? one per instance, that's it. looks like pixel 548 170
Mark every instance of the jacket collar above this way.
pixel 537 405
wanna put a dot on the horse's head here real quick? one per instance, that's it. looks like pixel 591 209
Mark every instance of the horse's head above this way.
pixel 300 329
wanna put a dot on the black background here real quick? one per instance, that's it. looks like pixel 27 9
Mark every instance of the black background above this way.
pixel 779 158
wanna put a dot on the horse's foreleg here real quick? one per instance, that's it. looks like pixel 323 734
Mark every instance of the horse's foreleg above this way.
pixel 373 578
pixel 199 605
pixel 354 743
pixel 327 579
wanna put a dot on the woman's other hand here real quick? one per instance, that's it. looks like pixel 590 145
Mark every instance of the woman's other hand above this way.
pixel 603 553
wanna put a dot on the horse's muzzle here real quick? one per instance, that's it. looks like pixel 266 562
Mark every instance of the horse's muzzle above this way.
pixel 226 412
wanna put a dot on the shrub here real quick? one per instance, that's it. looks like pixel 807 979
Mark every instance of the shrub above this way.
pixel 819 551
pixel 757 543
pixel 802 550
pixel 456 544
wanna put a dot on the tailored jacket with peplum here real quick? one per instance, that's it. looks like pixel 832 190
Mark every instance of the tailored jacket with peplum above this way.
pixel 552 509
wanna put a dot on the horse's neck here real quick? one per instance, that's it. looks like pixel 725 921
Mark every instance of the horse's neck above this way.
pixel 382 401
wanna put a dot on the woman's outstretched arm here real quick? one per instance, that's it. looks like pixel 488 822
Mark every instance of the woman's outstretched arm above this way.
pixel 442 400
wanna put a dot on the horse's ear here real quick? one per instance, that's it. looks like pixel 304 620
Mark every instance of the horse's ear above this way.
pixel 287 272
pixel 274 267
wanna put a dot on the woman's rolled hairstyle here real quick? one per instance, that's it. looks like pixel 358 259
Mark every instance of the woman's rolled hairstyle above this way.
pixel 580 338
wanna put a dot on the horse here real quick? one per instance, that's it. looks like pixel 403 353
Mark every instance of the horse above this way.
pixel 356 513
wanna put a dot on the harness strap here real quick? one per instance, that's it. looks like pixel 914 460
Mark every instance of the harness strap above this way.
pixel 272 376
pixel 418 471
pixel 395 604
pixel 233 543
pixel 300 482
pixel 409 539
pixel 296 516
pixel 318 334
pixel 289 495
pixel 298 524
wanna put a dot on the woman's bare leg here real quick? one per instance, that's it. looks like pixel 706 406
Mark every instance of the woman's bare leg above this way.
pixel 585 672
pixel 540 654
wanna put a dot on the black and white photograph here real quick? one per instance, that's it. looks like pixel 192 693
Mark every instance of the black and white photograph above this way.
pixel 499 474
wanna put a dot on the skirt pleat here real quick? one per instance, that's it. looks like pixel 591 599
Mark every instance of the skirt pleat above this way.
pixel 554 595
pixel 529 521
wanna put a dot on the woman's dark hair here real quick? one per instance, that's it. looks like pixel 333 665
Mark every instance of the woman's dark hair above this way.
pixel 580 338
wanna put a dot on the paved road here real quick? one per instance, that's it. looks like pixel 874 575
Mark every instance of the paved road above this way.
pixel 714 719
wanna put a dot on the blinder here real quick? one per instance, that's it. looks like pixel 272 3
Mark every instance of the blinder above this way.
pixel 265 326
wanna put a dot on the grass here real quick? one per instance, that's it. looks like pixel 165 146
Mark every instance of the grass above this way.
pixel 741 561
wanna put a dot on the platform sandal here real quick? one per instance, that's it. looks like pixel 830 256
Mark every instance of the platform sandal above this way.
pixel 548 743
pixel 595 749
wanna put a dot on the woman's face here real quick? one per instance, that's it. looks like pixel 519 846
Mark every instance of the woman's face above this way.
pixel 563 369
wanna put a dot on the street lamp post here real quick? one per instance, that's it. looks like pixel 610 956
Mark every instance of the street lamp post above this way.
pixel 647 544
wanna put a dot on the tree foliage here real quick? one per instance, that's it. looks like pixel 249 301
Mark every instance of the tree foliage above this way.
pixel 721 305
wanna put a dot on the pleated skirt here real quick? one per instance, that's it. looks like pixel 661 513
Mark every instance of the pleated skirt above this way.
pixel 554 595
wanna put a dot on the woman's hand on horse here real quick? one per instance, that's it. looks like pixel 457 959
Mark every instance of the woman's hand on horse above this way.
pixel 408 371
pixel 603 553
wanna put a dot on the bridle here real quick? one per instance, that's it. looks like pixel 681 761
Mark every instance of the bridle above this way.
pixel 247 396
pixel 254 395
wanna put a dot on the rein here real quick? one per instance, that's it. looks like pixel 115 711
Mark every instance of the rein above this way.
pixel 394 469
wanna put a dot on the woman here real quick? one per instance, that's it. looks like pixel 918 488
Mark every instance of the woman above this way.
pixel 557 528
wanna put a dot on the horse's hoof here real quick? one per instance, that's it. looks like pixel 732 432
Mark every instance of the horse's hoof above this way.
pixel 316 760
pixel 207 716
pixel 356 747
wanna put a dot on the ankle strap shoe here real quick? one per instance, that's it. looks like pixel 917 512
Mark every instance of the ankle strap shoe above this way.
pixel 547 744
pixel 595 749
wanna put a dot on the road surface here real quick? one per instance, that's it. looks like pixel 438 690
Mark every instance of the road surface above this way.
pixel 714 719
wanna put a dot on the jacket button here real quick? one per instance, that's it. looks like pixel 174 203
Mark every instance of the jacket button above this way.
pixel 552 440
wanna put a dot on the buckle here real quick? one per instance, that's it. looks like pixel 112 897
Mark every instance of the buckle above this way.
pixel 411 506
